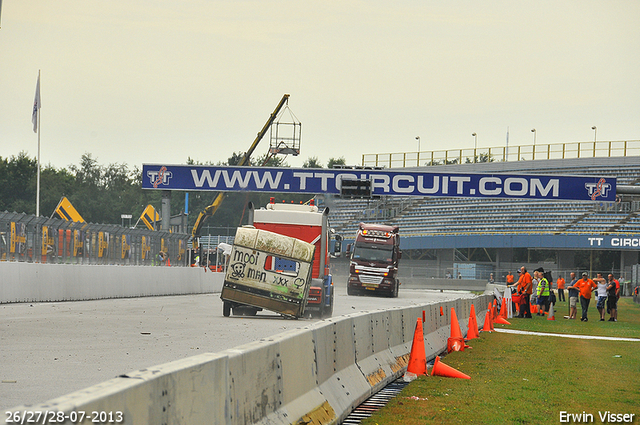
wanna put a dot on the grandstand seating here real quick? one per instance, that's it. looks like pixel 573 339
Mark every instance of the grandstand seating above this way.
pixel 428 215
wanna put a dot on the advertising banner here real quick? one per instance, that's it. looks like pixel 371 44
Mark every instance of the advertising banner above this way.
pixel 383 182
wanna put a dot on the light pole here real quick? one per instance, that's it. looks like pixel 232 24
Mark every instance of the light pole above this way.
pixel 595 133
pixel 418 139
pixel 475 145
pixel 533 130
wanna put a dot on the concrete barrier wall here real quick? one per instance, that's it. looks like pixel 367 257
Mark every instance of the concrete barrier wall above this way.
pixel 317 374
pixel 33 282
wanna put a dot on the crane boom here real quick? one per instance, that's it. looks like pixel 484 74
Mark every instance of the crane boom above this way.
pixel 211 209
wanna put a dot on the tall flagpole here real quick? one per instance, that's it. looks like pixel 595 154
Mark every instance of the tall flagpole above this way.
pixel 36 110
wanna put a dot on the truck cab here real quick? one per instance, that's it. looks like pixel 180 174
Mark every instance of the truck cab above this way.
pixel 374 257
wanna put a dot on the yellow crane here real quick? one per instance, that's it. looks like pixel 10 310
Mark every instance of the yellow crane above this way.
pixel 211 209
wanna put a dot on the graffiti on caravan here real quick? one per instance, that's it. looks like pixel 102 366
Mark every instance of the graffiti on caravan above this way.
pixel 384 182
pixel 245 264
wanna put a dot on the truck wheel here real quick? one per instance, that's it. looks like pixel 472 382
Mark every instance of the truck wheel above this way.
pixel 394 292
pixel 226 309
pixel 329 310
pixel 351 291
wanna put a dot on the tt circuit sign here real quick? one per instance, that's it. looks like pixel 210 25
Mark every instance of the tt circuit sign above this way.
pixel 383 182
pixel 613 242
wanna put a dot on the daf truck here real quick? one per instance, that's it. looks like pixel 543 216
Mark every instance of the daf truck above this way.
pixel 374 257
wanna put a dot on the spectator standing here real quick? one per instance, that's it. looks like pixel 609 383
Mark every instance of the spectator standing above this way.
pixel 585 286
pixel 613 293
pixel 601 289
pixel 513 289
pixel 534 297
pixel 491 279
pixel 561 284
pixel 509 279
pixel 573 296
pixel 542 290
pixel 525 288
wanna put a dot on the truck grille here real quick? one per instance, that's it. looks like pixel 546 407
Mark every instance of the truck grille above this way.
pixel 367 278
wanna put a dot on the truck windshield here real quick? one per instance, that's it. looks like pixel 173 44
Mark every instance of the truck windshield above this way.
pixel 380 254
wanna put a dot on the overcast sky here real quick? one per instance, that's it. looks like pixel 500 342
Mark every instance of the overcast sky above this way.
pixel 158 81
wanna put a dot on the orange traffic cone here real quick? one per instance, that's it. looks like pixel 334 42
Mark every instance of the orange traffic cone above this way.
pixel 487 322
pixel 473 325
pixel 492 316
pixel 441 369
pixel 502 320
pixel 552 315
pixel 503 308
pixel 418 357
pixel 456 341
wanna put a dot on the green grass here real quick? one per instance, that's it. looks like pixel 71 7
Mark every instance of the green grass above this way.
pixel 523 379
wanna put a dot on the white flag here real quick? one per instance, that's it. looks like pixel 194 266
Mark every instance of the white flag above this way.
pixel 36 106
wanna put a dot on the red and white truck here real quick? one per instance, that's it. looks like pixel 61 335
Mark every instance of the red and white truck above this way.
pixel 267 271
pixel 308 224
pixel 373 266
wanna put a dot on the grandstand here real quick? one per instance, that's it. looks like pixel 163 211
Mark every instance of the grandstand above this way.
pixel 436 216
pixel 430 223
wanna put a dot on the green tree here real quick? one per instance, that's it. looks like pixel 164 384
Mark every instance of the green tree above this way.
pixel 54 184
pixel 312 162
pixel 336 161
pixel 482 157
pixel 268 160
pixel 18 184
pixel 235 158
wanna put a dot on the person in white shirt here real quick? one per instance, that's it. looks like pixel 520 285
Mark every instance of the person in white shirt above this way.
pixel 602 295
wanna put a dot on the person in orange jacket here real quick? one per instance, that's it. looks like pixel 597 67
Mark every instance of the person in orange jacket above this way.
pixel 509 279
pixel 585 286
pixel 561 284
pixel 525 287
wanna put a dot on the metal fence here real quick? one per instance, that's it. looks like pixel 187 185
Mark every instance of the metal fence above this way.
pixel 502 153
pixel 50 240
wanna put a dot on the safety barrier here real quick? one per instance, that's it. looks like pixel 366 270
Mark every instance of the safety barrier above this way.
pixel 317 374
pixel 29 282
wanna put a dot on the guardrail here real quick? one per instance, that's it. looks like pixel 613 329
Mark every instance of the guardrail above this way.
pixel 314 375
pixel 503 153
pixel 27 238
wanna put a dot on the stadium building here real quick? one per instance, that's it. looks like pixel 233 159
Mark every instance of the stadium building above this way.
pixel 473 237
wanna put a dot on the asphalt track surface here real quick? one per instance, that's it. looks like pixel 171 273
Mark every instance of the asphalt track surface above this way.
pixel 51 349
